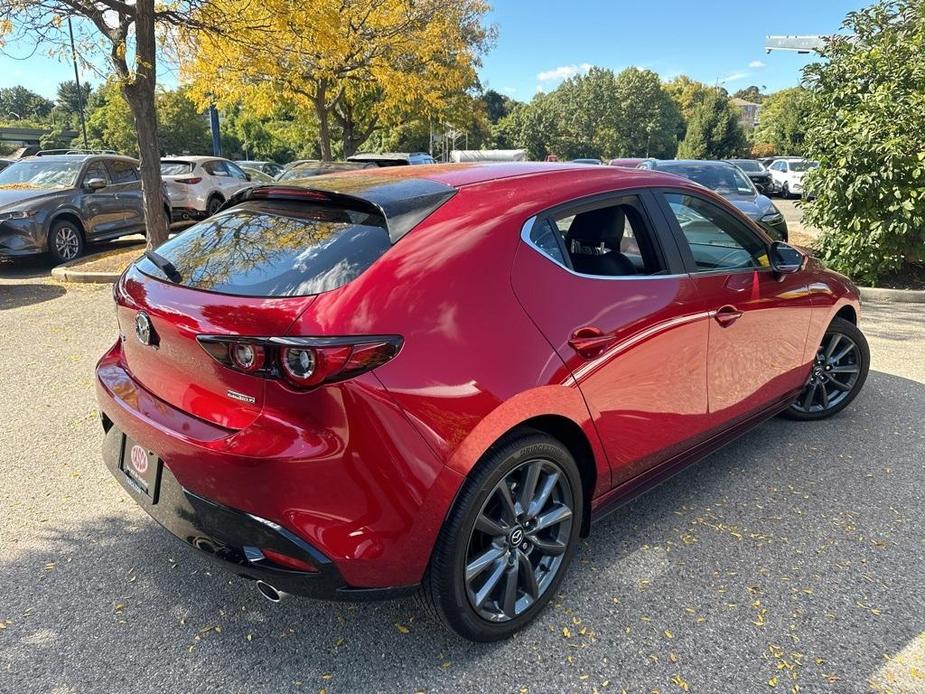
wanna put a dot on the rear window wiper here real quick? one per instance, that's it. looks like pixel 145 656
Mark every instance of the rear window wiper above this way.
pixel 164 266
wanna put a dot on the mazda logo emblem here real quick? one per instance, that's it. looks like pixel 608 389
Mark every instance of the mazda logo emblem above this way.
pixel 143 330
pixel 517 536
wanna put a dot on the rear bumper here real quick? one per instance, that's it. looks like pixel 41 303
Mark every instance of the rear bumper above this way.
pixel 235 538
pixel 358 489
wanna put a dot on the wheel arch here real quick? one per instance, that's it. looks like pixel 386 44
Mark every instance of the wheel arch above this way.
pixel 848 313
pixel 574 438
pixel 69 216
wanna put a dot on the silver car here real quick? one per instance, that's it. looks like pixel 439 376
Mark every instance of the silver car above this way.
pixel 57 203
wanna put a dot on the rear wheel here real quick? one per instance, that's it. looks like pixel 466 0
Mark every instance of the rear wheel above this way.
pixel 785 191
pixel 838 373
pixel 507 543
pixel 65 241
pixel 215 202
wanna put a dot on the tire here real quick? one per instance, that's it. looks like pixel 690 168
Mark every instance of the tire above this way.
pixel 542 554
pixel 65 241
pixel 849 372
pixel 213 205
pixel 785 191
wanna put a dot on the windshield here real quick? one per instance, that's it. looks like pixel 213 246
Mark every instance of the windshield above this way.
pixel 803 165
pixel 725 180
pixel 35 173
pixel 749 165
pixel 175 168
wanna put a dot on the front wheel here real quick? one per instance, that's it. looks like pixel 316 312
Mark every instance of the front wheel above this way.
pixel 65 241
pixel 838 373
pixel 508 541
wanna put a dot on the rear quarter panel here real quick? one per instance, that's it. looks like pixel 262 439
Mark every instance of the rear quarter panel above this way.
pixel 473 365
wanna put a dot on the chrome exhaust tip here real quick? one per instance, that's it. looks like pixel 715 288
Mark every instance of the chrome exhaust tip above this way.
pixel 269 592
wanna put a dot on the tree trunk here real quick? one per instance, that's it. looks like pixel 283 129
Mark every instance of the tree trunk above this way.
pixel 323 112
pixel 139 93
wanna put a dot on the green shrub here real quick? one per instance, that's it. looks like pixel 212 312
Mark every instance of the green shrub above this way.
pixel 866 128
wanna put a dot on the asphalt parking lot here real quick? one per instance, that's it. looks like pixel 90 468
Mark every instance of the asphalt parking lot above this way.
pixel 792 558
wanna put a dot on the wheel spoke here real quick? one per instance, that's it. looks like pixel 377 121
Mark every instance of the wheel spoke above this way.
pixel 531 477
pixel 839 385
pixel 509 507
pixel 547 547
pixel 539 501
pixel 529 576
pixel 843 353
pixel 833 343
pixel 846 369
pixel 490 527
pixel 825 397
pixel 510 589
pixel 554 516
pixel 483 561
pixel 809 397
pixel 490 583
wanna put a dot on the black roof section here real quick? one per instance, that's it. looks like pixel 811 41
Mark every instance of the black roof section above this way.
pixel 404 202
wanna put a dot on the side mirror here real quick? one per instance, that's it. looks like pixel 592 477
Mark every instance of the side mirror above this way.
pixel 785 259
pixel 95 184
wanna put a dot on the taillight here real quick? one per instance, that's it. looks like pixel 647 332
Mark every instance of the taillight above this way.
pixel 193 180
pixel 303 362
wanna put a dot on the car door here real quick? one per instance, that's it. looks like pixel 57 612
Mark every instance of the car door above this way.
pixel 101 208
pixel 635 343
pixel 127 184
pixel 759 319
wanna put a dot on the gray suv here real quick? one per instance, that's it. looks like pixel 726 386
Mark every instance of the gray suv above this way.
pixel 57 203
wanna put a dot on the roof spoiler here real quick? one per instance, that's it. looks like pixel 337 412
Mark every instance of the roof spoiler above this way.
pixel 402 202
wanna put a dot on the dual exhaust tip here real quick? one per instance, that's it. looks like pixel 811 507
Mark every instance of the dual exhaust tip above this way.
pixel 271 593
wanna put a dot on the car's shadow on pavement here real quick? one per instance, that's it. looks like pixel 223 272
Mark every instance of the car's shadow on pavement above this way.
pixel 18 295
pixel 794 555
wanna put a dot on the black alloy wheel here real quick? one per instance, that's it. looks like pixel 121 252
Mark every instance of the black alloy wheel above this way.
pixel 837 375
pixel 507 543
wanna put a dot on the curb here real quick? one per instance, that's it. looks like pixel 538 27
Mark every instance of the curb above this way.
pixel 66 272
pixel 84 277
pixel 898 296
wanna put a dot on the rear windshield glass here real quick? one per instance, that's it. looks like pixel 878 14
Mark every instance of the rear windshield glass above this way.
pixel 175 168
pixel 747 165
pixel 274 249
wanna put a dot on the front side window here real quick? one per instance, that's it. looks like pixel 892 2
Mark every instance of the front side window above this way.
pixel 717 241
pixel 610 240
pixel 235 171
pixel 96 169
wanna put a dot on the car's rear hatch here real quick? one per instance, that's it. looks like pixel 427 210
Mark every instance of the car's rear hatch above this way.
pixel 249 271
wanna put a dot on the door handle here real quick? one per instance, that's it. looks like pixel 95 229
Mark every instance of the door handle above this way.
pixel 590 341
pixel 727 315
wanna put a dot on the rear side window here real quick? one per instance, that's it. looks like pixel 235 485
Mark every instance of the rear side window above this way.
pixel 275 249
pixel 122 172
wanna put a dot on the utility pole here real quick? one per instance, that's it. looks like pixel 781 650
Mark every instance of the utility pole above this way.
pixel 80 94
pixel 216 138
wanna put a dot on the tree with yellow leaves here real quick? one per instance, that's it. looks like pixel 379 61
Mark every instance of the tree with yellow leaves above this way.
pixel 356 65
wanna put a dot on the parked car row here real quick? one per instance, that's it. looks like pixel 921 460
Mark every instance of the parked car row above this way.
pixel 56 203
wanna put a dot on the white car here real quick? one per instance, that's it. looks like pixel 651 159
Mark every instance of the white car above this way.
pixel 198 186
pixel 787 175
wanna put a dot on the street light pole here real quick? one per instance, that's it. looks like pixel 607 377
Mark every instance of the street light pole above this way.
pixel 80 94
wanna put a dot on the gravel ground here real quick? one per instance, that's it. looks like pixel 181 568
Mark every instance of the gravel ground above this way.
pixel 793 557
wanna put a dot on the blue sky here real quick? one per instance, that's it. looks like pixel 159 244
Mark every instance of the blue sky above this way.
pixel 541 42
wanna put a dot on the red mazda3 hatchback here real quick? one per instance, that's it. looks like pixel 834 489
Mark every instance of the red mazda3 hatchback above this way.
pixel 435 378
